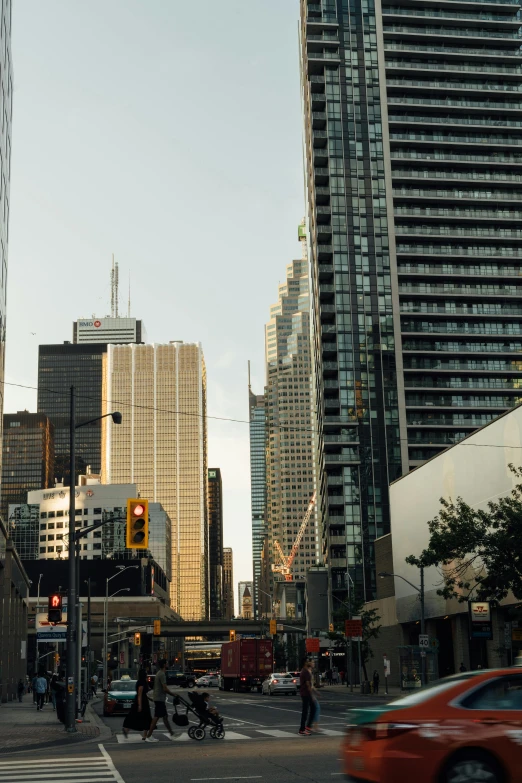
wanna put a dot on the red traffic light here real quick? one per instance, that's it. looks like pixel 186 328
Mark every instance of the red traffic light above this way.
pixel 137 528
pixel 54 608
pixel 138 510
pixel 56 601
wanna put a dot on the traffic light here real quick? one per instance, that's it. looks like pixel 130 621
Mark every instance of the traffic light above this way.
pixel 137 524
pixel 157 627
pixel 231 636
pixel 57 659
pixel 273 627
pixel 137 639
pixel 54 610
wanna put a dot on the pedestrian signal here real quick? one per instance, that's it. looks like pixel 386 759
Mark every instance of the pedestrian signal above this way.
pixel 54 610
pixel 232 636
pixel 137 639
pixel 137 524
pixel 157 627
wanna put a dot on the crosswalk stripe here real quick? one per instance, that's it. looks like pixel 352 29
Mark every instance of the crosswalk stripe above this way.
pixel 122 739
pixel 73 769
pixel 181 738
pixel 332 733
pixel 276 733
pixel 86 775
pixel 234 735
pixel 78 760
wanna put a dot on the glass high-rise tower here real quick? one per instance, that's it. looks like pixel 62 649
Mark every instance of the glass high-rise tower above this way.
pixel 413 122
pixel 257 417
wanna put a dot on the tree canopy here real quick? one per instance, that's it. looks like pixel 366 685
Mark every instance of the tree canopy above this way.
pixel 475 547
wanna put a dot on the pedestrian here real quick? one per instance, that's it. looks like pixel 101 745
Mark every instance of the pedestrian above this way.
pixel 58 689
pixel 41 688
pixel 306 693
pixel 329 676
pixel 160 698
pixel 94 684
pixel 20 689
pixel 341 675
pixel 139 718
pixel 462 668
pixel 33 686
pixel 375 681
pixel 335 675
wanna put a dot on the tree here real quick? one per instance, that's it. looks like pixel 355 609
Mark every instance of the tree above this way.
pixel 370 627
pixel 475 547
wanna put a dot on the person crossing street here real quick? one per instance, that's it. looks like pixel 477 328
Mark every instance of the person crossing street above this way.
pixel 307 698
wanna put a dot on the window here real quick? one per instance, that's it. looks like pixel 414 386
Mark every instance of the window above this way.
pixel 97 511
pixel 50 548
pixel 502 693
pixel 43 515
pixel 50 526
pixel 59 513
pixel 77 512
pixel 51 514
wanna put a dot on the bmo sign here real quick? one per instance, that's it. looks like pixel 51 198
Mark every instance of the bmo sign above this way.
pixel 89 324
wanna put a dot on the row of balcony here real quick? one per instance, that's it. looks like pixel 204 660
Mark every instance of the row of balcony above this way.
pixel 479 309
pixel 449 176
pixel 431 420
pixel 450 289
pixel 459 213
pixel 456 119
pixel 486 270
pixel 492 158
pixel 460 140
pixel 436 194
pixel 463 383
pixel 460 402
pixel 514 18
pixel 468 232
pixel 467 365
pixel 453 347
pixel 463 51
pixel 515 70
pixel 461 328
pixel 459 250
pixel 454 85
pixel 461 32
pixel 458 103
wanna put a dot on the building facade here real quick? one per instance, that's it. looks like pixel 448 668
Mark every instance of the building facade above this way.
pixel 290 441
pixel 109 330
pixel 215 542
pixel 242 589
pixel 161 446
pixel 411 152
pixel 257 418
pixel 14 592
pixel 228 583
pixel 27 457
pixel 59 368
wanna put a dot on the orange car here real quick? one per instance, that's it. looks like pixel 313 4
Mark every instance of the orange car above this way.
pixel 462 729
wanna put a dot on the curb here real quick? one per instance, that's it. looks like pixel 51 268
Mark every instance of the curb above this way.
pixel 92 716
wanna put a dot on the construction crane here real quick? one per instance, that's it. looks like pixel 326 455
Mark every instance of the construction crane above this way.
pixel 284 567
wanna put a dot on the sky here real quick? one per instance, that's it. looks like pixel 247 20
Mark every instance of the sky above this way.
pixel 168 133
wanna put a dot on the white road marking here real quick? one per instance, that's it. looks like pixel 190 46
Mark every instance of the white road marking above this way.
pixel 235 777
pixel 182 738
pixel 73 769
pixel 235 735
pixel 117 777
pixel 123 740
pixel 332 733
pixel 276 733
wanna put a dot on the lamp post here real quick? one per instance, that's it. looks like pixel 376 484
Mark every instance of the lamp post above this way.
pixel 121 569
pixel 420 591
pixel 73 642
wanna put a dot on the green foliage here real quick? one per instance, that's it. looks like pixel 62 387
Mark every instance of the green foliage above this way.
pixel 477 547
pixel 370 625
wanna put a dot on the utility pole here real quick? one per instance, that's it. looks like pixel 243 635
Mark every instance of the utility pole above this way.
pixel 71 684
pixel 423 624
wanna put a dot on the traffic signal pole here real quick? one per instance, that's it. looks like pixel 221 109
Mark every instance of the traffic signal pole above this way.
pixel 72 641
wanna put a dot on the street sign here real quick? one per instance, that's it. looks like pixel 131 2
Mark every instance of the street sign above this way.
pixel 424 640
pixel 387 668
pixel 313 645
pixel 280 627
pixel 353 628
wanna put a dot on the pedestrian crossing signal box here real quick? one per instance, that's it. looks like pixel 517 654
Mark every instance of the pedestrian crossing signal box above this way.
pixel 137 529
pixel 231 636
pixel 54 609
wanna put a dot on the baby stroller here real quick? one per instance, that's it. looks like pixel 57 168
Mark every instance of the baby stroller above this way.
pixel 197 706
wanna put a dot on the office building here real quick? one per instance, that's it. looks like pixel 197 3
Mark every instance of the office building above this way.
pixel 27 457
pixel 215 542
pixel 245 599
pixel 290 424
pixel 60 367
pixel 6 97
pixel 412 148
pixel 257 413
pixel 161 446
pixel 228 583
pixel 118 330
pixel 14 592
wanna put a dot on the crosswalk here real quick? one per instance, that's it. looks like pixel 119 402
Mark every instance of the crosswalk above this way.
pixel 229 735
pixel 88 768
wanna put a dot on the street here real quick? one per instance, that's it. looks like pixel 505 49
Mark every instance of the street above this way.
pixel 261 744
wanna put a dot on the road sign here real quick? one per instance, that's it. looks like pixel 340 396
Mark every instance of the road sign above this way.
pixel 122 658
pixel 424 640
pixel 273 627
pixel 387 668
pixel 353 628
pixel 313 645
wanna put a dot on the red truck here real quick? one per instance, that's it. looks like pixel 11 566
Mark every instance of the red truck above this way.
pixel 245 663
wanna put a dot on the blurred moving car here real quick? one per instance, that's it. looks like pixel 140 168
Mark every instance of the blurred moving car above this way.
pixel 279 683
pixel 208 681
pixel 462 729
pixel 183 679
pixel 119 697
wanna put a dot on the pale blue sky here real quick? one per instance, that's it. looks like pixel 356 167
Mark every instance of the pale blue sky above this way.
pixel 169 133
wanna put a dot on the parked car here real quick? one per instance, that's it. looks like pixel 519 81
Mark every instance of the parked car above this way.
pixel 467 727
pixel 119 697
pixel 208 681
pixel 182 679
pixel 279 683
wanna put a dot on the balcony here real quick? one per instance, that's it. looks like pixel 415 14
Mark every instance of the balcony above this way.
pixel 457 250
pixel 512 87
pixel 331 384
pixel 456 290
pixel 326 54
pixel 468 232
pixel 320 137
pixel 457 270
pixel 461 51
pixel 336 540
pixel 335 481
pixel 433 213
pixel 443 156
pixel 320 156
pixel 338 562
pixel 318 119
pixel 436 194
pixel 324 252
pixel 328 308
pixel 321 177
pixel 346 458
pixel 324 231
pixel 328 329
pixel 463 328
pixel 348 437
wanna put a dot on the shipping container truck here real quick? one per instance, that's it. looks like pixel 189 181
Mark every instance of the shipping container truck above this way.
pixel 245 663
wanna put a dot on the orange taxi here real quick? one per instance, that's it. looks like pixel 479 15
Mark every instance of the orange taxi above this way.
pixel 463 729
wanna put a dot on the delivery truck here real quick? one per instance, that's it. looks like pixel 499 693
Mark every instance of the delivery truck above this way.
pixel 245 663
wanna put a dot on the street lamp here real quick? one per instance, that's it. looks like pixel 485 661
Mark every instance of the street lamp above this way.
pixel 120 570
pixel 72 593
pixel 420 590
pixel 272 602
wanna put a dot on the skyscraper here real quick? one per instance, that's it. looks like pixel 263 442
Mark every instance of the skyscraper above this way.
pixel 228 583
pixel 59 368
pixel 256 404
pixel 244 589
pixel 412 148
pixel 215 542
pixel 161 446
pixel 117 330
pixel 27 457
pixel 289 423
pixel 6 99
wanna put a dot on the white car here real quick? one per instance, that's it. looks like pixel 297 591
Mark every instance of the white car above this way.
pixel 208 681
pixel 279 683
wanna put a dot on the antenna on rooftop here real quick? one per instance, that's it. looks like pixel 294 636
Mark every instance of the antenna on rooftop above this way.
pixel 114 288
pixel 128 304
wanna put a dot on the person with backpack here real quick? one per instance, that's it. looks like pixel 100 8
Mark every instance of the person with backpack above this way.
pixel 41 689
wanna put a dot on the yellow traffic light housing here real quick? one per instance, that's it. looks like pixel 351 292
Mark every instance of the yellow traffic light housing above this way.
pixel 157 627
pixel 137 531
pixel 273 627
pixel 137 639
pixel 232 636
pixel 54 610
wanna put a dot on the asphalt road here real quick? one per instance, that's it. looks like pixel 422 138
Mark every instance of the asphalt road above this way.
pixel 261 744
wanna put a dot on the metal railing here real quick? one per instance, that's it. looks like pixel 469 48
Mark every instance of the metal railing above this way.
pixel 488 270
pixel 475 69
pixel 395 82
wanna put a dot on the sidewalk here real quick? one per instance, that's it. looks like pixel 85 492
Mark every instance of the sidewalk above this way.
pixel 23 728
